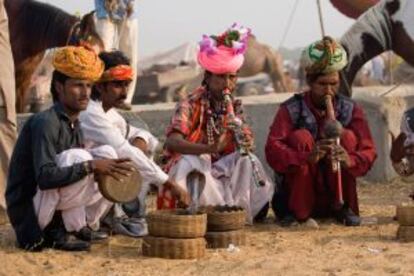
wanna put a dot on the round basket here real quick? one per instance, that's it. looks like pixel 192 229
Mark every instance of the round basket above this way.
pixel 405 233
pixel 224 239
pixel 173 248
pixel 405 215
pixel 176 224
pixel 225 218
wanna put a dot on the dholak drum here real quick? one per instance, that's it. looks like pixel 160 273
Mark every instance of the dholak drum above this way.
pixel 120 191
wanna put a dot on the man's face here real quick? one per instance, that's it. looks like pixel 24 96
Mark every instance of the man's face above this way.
pixel 217 83
pixel 74 94
pixel 114 93
pixel 324 85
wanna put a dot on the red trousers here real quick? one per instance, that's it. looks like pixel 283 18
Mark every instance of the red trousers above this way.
pixel 313 188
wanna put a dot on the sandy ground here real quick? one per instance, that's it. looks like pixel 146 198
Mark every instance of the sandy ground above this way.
pixel 271 250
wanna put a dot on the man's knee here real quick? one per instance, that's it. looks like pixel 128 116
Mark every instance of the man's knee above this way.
pixel 301 140
pixel 72 156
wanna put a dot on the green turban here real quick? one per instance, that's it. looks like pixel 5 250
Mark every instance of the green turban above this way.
pixel 324 56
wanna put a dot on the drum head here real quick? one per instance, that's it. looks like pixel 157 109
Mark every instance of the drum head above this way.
pixel 120 191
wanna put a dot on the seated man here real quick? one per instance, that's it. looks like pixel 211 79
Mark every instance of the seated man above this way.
pixel 51 189
pixel 103 125
pixel 204 129
pixel 298 148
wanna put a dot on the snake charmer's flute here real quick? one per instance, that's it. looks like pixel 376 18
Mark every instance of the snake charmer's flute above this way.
pixel 236 127
pixel 333 130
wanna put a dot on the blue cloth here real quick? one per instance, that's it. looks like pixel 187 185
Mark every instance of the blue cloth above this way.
pixel 119 14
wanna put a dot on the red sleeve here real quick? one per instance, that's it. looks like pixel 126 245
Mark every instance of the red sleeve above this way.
pixel 278 153
pixel 365 154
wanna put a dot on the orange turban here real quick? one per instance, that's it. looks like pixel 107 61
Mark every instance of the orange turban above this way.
pixel 118 73
pixel 78 63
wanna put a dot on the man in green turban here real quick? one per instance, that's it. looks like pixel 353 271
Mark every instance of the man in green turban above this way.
pixel 303 151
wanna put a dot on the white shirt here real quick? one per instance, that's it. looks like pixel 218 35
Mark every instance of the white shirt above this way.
pixel 110 128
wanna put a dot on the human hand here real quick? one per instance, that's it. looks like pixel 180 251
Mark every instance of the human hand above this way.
pixel 141 144
pixel 179 193
pixel 339 154
pixel 130 9
pixel 221 144
pixel 112 167
pixel 320 150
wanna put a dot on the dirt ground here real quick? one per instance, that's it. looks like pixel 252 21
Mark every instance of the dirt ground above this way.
pixel 271 249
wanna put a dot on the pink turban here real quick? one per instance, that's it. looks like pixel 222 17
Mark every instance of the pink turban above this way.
pixel 224 53
pixel 224 60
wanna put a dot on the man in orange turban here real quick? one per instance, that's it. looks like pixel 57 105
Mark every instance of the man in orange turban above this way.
pixel 103 125
pixel 51 191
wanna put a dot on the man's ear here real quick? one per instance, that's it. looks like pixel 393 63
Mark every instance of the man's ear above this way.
pixel 59 88
pixel 100 87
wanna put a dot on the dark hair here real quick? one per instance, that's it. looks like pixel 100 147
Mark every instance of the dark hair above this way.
pixel 311 78
pixel 207 74
pixel 110 59
pixel 57 77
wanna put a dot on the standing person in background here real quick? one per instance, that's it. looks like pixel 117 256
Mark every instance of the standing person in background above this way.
pixel 8 134
pixel 117 25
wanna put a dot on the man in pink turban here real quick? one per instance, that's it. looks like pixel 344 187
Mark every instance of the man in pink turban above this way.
pixel 208 141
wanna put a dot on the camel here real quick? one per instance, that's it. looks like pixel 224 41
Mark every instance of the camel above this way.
pixel 386 26
pixel 262 58
pixel 34 28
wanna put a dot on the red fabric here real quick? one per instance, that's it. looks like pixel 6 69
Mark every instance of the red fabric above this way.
pixel 287 151
pixel 190 120
pixel 165 199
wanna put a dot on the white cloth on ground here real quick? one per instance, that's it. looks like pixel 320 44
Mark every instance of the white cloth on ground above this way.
pixel 81 203
pixel 228 181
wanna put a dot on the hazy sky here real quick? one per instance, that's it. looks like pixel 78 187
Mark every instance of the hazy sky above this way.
pixel 165 24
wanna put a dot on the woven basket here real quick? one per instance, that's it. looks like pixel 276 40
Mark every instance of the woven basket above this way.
pixel 173 248
pixel 225 218
pixel 224 239
pixel 405 215
pixel 405 233
pixel 176 224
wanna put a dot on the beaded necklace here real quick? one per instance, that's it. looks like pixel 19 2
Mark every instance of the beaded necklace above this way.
pixel 215 120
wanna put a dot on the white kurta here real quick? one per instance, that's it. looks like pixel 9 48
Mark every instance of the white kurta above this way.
pixel 227 181
pixel 110 128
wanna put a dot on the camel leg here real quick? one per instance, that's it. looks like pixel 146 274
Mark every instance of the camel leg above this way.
pixel 275 70
pixel 24 72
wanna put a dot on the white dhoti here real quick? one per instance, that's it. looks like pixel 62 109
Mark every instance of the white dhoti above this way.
pixel 228 181
pixel 81 203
